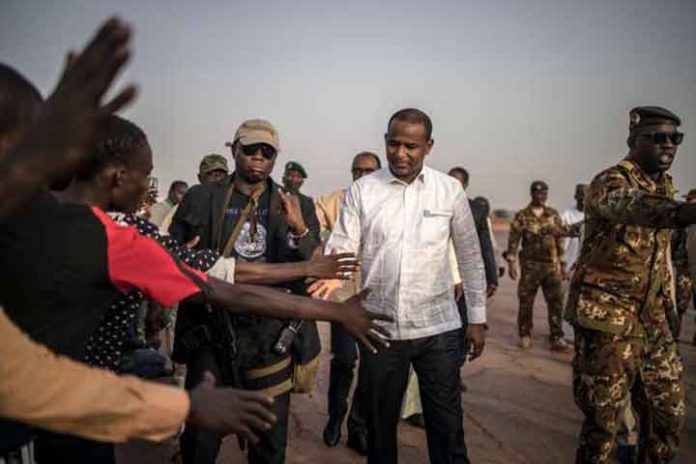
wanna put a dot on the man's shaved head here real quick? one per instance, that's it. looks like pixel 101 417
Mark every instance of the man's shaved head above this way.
pixel 19 102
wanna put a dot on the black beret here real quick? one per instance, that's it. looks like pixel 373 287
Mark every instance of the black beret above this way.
pixel 642 116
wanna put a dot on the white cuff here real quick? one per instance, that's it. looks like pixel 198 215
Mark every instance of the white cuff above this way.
pixel 223 269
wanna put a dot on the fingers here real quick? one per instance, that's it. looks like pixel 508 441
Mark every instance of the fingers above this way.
pixel 381 331
pixel 261 411
pixel 366 343
pixel 68 62
pixel 245 432
pixel 260 398
pixel 477 350
pixel 284 197
pixel 123 99
pixel 377 337
pixel 108 52
pixel 342 256
pixel 314 286
pixel 380 317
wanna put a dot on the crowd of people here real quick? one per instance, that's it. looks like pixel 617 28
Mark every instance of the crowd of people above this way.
pixel 227 277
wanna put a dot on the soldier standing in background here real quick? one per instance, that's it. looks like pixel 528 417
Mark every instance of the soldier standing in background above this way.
pixel 539 228
pixel 621 294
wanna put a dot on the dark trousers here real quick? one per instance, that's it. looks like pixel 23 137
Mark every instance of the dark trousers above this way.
pixel 345 356
pixel 384 377
pixel 68 449
pixel 200 446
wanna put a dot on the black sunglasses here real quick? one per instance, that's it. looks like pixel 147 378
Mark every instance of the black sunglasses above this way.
pixel 267 151
pixel 660 138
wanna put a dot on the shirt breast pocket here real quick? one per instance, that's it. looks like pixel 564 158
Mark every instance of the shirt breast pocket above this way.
pixel 436 225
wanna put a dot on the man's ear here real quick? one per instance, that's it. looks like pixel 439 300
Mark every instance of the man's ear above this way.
pixel 429 146
pixel 115 176
pixel 631 141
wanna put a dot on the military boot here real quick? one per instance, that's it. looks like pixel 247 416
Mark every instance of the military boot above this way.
pixel 340 380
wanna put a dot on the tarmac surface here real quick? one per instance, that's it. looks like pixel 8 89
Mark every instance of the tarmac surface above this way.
pixel 518 408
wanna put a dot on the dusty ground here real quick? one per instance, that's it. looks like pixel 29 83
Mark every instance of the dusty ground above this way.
pixel 518 409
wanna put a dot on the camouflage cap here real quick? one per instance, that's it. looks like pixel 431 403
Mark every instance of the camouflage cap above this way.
pixel 295 166
pixel 213 162
pixel 642 116
pixel 254 131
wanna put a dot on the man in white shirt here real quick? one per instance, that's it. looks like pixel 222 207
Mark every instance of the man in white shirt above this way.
pixel 400 220
pixel 574 217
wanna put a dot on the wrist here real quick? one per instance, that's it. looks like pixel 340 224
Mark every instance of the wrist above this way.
pixel 308 269
pixel 298 231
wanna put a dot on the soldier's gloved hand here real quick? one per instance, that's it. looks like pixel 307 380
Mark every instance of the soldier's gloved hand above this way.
pixel 686 214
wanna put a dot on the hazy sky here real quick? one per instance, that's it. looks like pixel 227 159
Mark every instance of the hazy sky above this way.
pixel 517 90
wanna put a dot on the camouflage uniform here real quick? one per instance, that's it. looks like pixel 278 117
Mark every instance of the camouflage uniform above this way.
pixel 682 279
pixel 540 260
pixel 620 295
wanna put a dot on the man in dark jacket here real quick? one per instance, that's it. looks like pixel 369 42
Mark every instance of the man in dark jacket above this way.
pixel 248 216
pixel 480 214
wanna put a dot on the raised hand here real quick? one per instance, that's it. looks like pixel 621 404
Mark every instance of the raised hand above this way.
pixel 74 109
pixel 59 137
pixel 361 323
pixel 341 266
pixel 292 212
pixel 226 410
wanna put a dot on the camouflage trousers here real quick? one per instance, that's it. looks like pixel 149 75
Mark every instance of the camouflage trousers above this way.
pixel 544 275
pixel 607 368
pixel 684 294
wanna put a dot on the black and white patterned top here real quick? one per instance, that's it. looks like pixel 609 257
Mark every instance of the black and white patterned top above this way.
pixel 105 345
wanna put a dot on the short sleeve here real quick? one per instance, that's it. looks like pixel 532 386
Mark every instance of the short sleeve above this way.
pixel 139 262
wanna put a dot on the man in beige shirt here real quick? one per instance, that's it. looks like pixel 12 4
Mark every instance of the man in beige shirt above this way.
pixel 343 345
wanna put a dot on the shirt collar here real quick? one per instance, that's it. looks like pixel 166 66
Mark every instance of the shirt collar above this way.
pixel 388 178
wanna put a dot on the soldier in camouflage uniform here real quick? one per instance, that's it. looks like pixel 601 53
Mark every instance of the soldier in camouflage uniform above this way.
pixel 622 291
pixel 539 228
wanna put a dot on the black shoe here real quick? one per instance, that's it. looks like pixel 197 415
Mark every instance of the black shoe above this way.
pixel 357 441
pixel 332 432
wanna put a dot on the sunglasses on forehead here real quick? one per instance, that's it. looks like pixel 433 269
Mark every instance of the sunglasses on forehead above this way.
pixel 267 151
pixel 660 138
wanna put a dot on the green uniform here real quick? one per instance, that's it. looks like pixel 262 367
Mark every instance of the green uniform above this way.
pixel 619 299
pixel 540 262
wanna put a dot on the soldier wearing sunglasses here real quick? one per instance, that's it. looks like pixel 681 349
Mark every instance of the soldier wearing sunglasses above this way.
pixel 622 292
pixel 248 216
